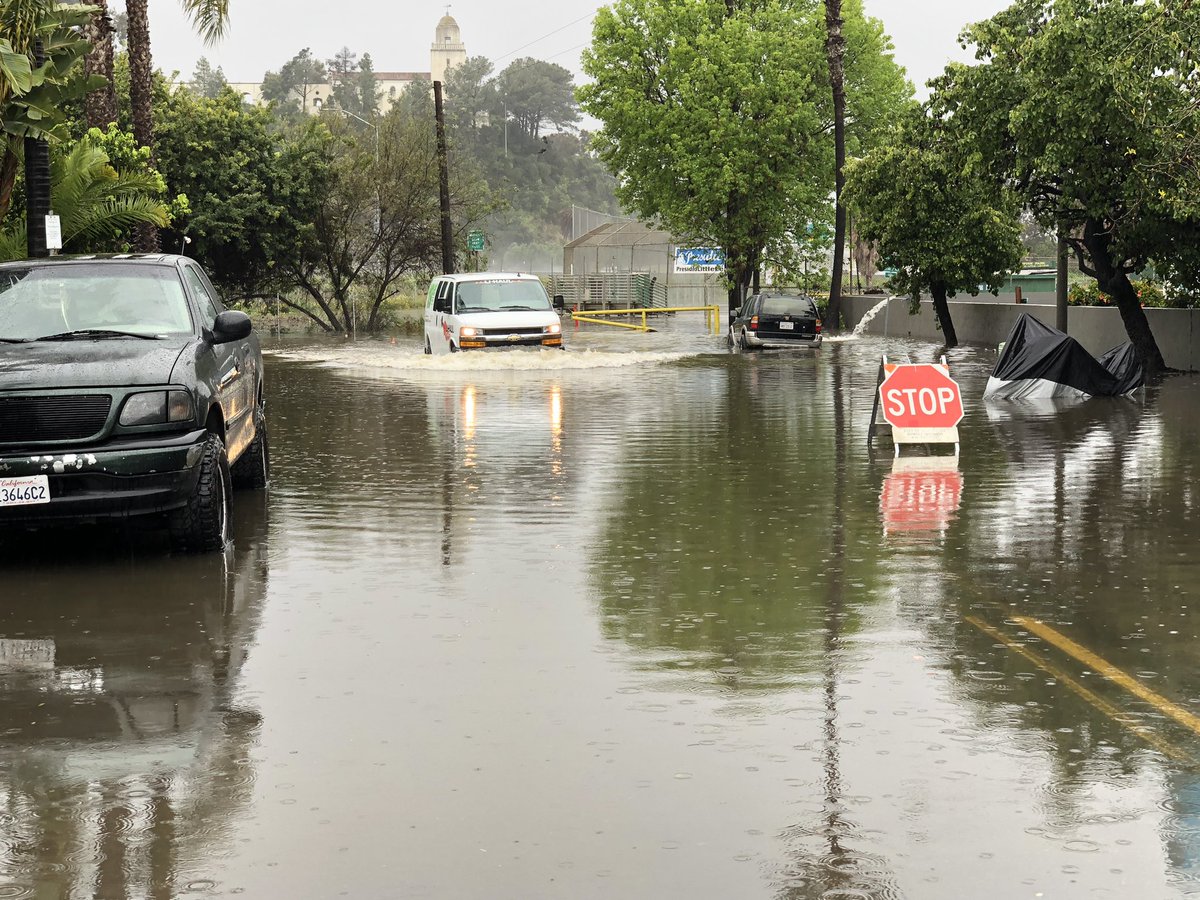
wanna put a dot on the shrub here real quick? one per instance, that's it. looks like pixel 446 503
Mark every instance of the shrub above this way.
pixel 1152 293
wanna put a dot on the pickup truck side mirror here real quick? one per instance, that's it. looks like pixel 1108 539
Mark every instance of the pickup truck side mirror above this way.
pixel 560 302
pixel 230 326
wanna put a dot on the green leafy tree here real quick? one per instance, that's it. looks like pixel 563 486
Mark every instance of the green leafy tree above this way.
pixel 711 119
pixel 98 205
pixel 33 96
pixel 343 80
pixel 536 93
pixel 291 88
pixel 869 92
pixel 254 189
pixel 1083 107
pixel 878 91
pixel 210 18
pixel 207 81
pixel 378 222
pixel 469 97
pixel 934 217
pixel 368 88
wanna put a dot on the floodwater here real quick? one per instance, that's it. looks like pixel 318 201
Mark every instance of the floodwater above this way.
pixel 643 619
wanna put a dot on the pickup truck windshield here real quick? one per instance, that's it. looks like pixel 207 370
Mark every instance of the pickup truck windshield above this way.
pixel 106 300
pixel 494 296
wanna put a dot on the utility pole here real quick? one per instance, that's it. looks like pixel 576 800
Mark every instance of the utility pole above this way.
pixel 444 172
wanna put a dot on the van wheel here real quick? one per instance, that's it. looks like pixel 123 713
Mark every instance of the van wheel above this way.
pixel 253 470
pixel 453 348
pixel 428 349
pixel 202 524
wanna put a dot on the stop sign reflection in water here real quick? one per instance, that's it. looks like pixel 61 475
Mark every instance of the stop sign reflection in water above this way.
pixel 920 396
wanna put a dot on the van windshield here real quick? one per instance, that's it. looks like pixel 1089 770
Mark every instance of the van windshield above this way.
pixel 492 296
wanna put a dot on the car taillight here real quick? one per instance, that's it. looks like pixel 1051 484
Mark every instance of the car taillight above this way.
pixel 754 323
pixel 818 326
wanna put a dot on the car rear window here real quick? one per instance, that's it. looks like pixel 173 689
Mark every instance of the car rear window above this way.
pixel 788 306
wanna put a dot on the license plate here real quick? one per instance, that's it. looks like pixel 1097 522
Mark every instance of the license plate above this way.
pixel 26 655
pixel 28 491
pixel 787 326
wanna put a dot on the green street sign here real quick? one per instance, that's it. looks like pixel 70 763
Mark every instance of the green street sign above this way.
pixel 475 241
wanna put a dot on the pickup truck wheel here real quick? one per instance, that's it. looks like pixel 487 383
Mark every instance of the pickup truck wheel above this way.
pixel 253 470
pixel 202 524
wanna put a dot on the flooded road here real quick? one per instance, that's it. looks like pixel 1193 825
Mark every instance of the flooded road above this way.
pixel 640 619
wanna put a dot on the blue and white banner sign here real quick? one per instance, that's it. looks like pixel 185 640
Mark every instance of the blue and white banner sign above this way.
pixel 699 259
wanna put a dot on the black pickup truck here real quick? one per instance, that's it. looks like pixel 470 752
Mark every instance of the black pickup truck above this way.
pixel 126 389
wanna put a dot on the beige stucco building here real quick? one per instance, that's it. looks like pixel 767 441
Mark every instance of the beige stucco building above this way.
pixel 446 52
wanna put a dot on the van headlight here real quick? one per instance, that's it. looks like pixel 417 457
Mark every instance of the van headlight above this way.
pixel 157 408
pixel 467 331
pixel 552 329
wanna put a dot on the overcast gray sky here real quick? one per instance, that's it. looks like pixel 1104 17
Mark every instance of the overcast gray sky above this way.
pixel 263 35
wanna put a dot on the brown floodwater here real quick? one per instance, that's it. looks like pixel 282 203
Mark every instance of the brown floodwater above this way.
pixel 641 619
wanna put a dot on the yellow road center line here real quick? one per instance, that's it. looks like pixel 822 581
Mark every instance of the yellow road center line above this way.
pixel 1085 693
pixel 1111 672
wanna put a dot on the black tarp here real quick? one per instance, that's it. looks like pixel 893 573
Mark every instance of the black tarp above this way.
pixel 1040 361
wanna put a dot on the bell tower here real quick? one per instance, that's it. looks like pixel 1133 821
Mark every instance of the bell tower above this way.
pixel 448 49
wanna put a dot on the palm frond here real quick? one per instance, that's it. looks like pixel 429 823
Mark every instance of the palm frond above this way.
pixel 210 17
pixel 109 218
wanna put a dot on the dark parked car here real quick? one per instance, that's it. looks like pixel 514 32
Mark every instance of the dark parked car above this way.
pixel 776 320
pixel 126 389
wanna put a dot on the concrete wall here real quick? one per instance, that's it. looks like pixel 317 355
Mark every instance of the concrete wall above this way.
pixel 1098 328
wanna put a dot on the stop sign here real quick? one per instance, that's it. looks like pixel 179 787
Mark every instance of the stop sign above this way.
pixel 920 396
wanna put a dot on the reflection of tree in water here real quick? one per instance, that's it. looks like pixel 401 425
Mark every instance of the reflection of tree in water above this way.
pixel 825 862
pixel 126 756
pixel 1088 526
pixel 714 558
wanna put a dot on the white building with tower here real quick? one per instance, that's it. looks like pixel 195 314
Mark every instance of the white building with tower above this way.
pixel 446 52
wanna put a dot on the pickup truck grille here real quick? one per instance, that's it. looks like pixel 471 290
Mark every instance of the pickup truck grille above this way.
pixel 38 420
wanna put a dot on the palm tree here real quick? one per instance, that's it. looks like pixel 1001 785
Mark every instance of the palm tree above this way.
pixel 210 17
pixel 39 46
pixel 101 104
pixel 95 203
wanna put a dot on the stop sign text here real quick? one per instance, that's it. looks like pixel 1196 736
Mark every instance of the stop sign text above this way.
pixel 921 396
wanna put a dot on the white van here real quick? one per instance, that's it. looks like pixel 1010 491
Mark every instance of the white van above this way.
pixel 487 310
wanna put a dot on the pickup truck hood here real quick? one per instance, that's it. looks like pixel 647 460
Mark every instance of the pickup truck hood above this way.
pixel 109 362
pixel 510 319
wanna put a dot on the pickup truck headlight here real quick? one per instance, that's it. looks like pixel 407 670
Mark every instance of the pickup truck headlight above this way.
pixel 157 408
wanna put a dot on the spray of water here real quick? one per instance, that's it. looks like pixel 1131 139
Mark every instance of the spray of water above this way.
pixel 411 363
pixel 861 328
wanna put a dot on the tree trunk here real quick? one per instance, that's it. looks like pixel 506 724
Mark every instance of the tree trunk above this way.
pixel 835 51
pixel 8 174
pixel 101 104
pixel 1114 281
pixel 942 308
pixel 141 90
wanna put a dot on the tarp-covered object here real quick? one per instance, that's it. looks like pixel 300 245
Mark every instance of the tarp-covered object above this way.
pixel 1040 362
